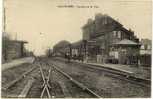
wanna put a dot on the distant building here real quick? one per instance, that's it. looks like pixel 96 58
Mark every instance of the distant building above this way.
pixel 145 52
pixel 14 49
pixel 78 48
pixel 61 48
pixel 145 46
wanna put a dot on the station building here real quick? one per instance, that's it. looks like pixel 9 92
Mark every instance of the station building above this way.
pixel 107 39
pixel 145 52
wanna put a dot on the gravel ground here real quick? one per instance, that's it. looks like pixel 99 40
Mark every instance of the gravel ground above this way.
pixel 102 83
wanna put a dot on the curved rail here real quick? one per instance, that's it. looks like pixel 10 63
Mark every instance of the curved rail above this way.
pixel 26 89
pixel 76 82
pixel 127 76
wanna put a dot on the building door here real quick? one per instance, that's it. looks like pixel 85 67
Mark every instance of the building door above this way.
pixel 122 57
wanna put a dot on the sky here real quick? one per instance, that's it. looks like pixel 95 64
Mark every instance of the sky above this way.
pixel 43 23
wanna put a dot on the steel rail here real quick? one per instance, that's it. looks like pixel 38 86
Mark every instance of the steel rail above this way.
pixel 122 75
pixel 18 79
pixel 46 85
pixel 85 88
pixel 26 89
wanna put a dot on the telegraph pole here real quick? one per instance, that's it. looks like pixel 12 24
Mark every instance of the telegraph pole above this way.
pixel 70 52
pixel 4 17
pixel 85 49
pixel 16 36
pixel 3 33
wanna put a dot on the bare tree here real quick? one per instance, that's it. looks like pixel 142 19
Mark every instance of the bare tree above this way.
pixel 5 41
pixel 49 52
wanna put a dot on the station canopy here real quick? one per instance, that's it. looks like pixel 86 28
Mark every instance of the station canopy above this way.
pixel 127 42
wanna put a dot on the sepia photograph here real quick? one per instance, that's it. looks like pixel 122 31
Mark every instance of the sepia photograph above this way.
pixel 76 49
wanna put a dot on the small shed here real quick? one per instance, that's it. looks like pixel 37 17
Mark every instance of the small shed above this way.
pixel 14 49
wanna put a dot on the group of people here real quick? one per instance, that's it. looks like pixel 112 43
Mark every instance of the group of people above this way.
pixel 74 57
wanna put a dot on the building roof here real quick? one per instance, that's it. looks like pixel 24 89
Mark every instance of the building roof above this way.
pixel 76 44
pixel 62 44
pixel 126 42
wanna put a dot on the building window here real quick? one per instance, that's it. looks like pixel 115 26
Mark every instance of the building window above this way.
pixel 105 20
pixel 145 47
pixel 149 47
pixel 114 33
pixel 142 47
pixel 119 34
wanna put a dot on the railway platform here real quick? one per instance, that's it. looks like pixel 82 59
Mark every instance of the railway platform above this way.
pixel 138 71
pixel 17 62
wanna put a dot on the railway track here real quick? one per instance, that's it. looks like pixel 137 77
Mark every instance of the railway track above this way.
pixel 20 86
pixel 36 86
pixel 43 86
pixel 77 83
pixel 12 83
pixel 31 79
pixel 47 88
pixel 126 76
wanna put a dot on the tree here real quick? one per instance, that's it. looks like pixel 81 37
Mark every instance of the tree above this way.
pixel 48 52
pixel 5 42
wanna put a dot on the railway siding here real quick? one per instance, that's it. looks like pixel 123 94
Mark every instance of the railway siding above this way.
pixel 127 71
pixel 101 81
